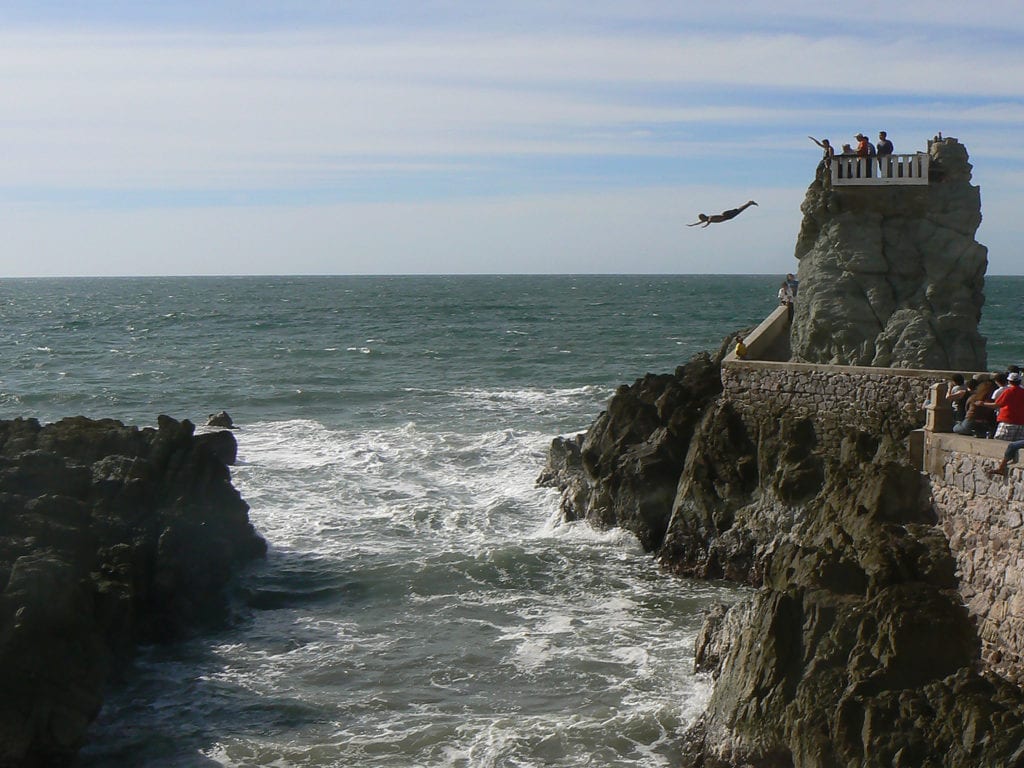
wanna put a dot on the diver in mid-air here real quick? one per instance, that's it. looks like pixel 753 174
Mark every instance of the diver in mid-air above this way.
pixel 732 213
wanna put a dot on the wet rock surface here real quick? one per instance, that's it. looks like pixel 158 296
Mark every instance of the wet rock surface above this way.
pixel 110 536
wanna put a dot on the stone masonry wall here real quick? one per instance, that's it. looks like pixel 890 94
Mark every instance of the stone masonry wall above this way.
pixel 983 519
pixel 850 397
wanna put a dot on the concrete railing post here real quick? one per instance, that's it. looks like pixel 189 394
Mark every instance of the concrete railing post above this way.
pixel 938 412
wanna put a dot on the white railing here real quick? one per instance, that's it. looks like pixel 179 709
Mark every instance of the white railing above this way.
pixel 849 170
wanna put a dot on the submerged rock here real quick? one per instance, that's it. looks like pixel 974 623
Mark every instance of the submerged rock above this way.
pixel 109 536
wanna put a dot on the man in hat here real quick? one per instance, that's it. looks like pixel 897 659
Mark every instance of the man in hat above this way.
pixel 1010 416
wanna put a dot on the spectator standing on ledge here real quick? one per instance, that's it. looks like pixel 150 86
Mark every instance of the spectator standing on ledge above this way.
pixel 884 149
pixel 1010 402
pixel 793 283
pixel 864 151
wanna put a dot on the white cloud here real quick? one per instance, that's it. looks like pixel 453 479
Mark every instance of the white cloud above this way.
pixel 152 109
pixel 212 113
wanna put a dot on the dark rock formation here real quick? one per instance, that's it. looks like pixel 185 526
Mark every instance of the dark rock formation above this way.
pixel 892 276
pixel 624 471
pixel 109 536
pixel 855 650
pixel 220 419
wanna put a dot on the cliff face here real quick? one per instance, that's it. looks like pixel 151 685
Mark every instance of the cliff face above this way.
pixel 892 276
pixel 109 536
pixel 624 470
pixel 856 649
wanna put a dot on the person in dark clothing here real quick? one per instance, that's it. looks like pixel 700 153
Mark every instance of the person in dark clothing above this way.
pixel 883 150
pixel 732 213
pixel 829 151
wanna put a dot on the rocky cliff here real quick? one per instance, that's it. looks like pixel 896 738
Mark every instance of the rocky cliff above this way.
pixel 892 276
pixel 109 536
pixel 855 650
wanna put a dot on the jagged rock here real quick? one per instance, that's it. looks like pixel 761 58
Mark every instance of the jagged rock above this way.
pixel 109 536
pixel 855 649
pixel 624 470
pixel 892 276
pixel 221 444
pixel 220 419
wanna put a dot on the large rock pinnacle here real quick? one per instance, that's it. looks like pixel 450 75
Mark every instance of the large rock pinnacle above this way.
pixel 892 276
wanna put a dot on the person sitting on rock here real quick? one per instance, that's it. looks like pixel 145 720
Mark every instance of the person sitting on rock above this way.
pixel 1009 457
pixel 732 213
pixel 979 421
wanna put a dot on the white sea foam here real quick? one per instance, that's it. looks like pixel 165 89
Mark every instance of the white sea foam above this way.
pixel 422 603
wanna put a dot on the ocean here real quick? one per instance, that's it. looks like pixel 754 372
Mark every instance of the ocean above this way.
pixel 421 603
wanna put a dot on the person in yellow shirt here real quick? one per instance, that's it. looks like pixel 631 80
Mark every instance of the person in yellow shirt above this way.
pixel 741 348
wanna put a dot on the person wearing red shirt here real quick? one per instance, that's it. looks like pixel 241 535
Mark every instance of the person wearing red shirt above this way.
pixel 1010 418
pixel 865 150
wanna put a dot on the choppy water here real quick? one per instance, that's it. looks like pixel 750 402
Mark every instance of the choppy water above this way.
pixel 420 604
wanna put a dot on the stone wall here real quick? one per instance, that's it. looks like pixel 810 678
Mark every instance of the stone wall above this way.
pixel 983 518
pixel 859 398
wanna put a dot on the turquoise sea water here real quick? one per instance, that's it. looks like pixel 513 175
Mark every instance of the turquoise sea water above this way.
pixel 420 604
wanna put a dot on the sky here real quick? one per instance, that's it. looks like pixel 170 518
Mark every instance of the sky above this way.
pixel 223 137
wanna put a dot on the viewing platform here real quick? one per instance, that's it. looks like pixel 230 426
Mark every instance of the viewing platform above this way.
pixel 850 170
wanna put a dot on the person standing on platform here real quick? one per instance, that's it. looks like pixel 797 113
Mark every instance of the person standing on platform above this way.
pixel 884 150
pixel 865 149
pixel 1010 416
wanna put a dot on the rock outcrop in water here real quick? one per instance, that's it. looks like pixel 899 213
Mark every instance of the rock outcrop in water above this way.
pixel 109 536
pixel 892 276
pixel 855 650
pixel 625 469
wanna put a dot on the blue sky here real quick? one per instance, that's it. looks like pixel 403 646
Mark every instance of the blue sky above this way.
pixel 264 137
